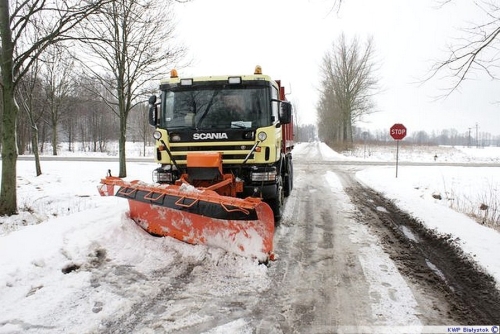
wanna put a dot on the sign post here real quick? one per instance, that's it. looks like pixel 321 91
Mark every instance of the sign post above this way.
pixel 397 132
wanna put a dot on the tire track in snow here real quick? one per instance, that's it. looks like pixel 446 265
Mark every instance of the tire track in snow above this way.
pixel 442 278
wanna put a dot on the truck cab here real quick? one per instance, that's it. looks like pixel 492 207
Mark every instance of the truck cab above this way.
pixel 246 118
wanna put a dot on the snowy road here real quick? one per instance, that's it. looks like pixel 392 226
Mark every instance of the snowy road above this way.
pixel 348 260
pixel 332 273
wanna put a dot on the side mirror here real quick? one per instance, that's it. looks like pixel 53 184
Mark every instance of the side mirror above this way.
pixel 285 113
pixel 153 111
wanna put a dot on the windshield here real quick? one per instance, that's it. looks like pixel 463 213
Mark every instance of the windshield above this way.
pixel 219 108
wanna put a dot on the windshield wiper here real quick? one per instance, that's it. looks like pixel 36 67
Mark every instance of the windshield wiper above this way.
pixel 179 127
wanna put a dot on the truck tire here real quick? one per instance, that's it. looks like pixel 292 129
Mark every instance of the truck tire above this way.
pixel 276 203
pixel 288 186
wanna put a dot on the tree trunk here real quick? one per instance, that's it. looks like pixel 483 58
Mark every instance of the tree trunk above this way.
pixel 70 135
pixel 8 192
pixel 34 144
pixel 54 132
pixel 34 140
pixel 121 147
pixel 44 136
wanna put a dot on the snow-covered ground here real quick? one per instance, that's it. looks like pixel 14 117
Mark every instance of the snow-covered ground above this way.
pixel 472 190
pixel 65 230
pixel 462 190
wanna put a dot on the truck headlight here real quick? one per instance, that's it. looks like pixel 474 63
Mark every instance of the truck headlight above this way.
pixel 161 175
pixel 263 176
pixel 175 137
pixel 157 135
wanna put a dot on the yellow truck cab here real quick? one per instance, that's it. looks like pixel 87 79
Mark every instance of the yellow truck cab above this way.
pixel 244 117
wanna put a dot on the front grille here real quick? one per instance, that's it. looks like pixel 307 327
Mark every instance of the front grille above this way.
pixel 230 153
pixel 226 158
pixel 213 148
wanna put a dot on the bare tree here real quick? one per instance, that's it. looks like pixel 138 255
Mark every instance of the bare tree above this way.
pixel 131 44
pixel 140 125
pixel 69 124
pixel 96 125
pixel 336 4
pixel 477 50
pixel 328 114
pixel 31 102
pixel 347 88
pixel 45 24
pixel 58 87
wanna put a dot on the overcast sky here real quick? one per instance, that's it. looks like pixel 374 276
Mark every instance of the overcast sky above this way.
pixel 289 39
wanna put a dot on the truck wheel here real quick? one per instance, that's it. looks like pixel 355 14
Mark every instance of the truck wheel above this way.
pixel 276 203
pixel 288 178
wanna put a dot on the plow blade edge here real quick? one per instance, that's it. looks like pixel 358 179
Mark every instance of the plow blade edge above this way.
pixel 196 216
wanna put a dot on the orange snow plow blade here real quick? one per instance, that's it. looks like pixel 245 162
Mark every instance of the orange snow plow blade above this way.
pixel 198 216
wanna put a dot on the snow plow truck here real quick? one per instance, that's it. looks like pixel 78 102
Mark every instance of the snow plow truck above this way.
pixel 224 145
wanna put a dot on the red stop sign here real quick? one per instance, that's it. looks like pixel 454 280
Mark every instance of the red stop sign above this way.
pixel 398 131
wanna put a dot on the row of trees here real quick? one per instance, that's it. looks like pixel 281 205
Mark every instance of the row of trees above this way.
pixel 54 111
pixel 450 137
pixel 90 58
pixel 347 87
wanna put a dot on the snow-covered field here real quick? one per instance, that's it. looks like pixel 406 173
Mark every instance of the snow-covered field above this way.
pixel 64 225
pixel 461 189
pixel 452 154
pixel 474 191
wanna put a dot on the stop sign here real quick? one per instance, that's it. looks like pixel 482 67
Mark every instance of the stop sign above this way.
pixel 398 131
